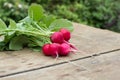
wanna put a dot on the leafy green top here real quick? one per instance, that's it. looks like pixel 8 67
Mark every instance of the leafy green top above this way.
pixel 33 31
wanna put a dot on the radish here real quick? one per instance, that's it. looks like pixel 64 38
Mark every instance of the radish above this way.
pixel 66 34
pixel 46 50
pixel 57 50
pixel 57 37
pixel 64 49
pixel 51 49
pixel 54 49
pixel 60 45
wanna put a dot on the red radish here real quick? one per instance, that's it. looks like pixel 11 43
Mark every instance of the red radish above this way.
pixel 46 49
pixel 54 49
pixel 64 49
pixel 57 37
pixel 60 45
pixel 66 34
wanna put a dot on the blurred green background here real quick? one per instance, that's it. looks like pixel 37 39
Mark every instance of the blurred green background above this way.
pixel 104 14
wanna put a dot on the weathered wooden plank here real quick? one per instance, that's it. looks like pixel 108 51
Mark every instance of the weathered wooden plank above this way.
pixel 103 67
pixel 88 39
pixel 101 40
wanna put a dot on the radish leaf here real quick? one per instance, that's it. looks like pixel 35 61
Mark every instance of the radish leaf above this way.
pixel 61 23
pixel 18 42
pixel 35 12
pixel 12 24
pixel 33 31
pixel 2 25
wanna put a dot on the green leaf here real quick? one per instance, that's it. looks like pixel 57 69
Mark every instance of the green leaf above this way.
pixel 48 20
pixel 12 24
pixel 33 31
pixel 2 46
pixel 26 20
pixel 61 23
pixel 18 42
pixel 2 25
pixel 35 12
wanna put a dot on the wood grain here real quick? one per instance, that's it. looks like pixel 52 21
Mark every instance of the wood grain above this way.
pixel 89 40
pixel 102 67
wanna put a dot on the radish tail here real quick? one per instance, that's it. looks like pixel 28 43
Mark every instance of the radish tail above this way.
pixel 57 56
pixel 71 45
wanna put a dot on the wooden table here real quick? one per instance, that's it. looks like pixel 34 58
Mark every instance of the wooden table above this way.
pixel 98 58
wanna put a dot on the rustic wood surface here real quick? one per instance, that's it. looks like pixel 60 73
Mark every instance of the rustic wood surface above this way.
pixel 100 46
pixel 102 67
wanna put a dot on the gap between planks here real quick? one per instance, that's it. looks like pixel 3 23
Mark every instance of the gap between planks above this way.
pixel 94 55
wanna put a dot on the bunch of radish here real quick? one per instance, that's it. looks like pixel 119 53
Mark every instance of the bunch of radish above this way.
pixel 60 45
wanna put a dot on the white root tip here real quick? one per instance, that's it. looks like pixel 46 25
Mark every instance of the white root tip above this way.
pixel 57 57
